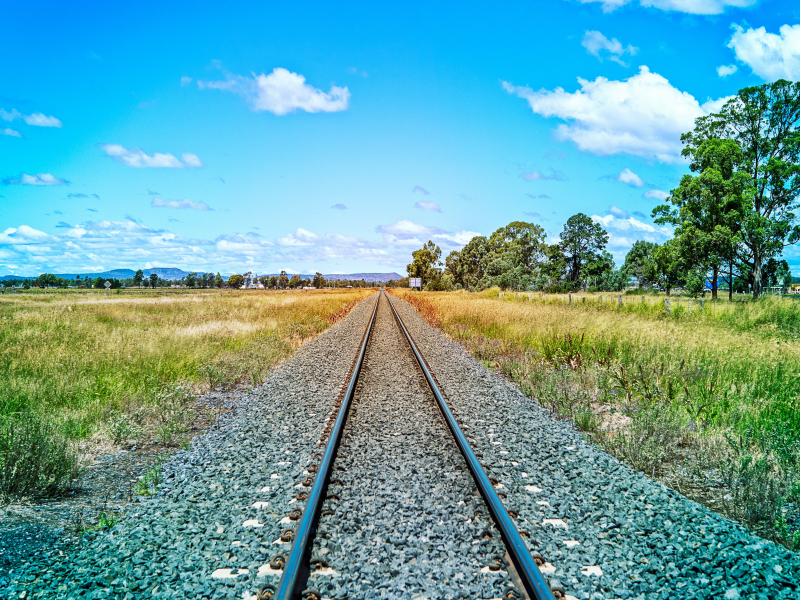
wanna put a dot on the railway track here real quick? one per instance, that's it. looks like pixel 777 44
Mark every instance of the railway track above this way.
pixel 398 511
pixel 408 405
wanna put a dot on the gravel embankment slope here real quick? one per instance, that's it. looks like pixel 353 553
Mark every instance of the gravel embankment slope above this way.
pixel 211 530
pixel 408 521
pixel 606 530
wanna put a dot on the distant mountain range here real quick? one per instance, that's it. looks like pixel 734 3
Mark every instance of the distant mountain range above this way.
pixel 172 273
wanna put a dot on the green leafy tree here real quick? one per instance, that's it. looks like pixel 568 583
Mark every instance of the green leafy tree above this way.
pixel 283 280
pixel 295 281
pixel 426 262
pixel 138 278
pixel 191 280
pixel 637 261
pixel 471 263
pixel 665 268
pixel 763 121
pixel 218 281
pixel 273 281
pixel 153 280
pixel 582 242
pixel 319 280
pixel 706 209
pixel 524 241
pixel 235 281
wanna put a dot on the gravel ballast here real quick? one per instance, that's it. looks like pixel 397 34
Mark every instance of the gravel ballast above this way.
pixel 407 519
pixel 606 530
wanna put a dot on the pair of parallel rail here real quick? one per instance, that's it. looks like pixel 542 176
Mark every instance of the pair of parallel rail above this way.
pixel 297 567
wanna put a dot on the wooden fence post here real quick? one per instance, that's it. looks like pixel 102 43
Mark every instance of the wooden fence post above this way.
pixel 620 300
pixel 666 306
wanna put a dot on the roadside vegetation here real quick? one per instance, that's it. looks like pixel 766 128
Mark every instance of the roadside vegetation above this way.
pixel 706 402
pixel 78 364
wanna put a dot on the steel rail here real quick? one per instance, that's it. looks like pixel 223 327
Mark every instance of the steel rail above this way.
pixel 529 574
pixel 296 569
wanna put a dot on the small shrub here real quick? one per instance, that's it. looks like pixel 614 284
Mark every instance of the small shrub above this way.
pixel 151 479
pixel 35 458
pixel 121 428
pixel 586 420
pixel 652 437
pixel 174 412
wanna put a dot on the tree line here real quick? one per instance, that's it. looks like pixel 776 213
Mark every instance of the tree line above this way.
pixel 732 217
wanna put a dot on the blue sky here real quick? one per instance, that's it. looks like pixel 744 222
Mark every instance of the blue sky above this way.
pixel 339 137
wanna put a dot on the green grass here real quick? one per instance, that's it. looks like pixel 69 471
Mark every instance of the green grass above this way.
pixel 75 364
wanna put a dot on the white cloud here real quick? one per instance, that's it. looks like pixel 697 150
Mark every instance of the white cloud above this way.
pixel 282 92
pixel 657 194
pixel 40 120
pixel 36 119
pixel 22 235
pixel 693 7
pixel 459 238
pixel 301 237
pixel 595 43
pixel 339 207
pixel 186 80
pixel 419 188
pixel 426 205
pixel 618 212
pixel 11 132
pixel 180 204
pixel 407 228
pixel 643 115
pixel 769 55
pixel 725 70
pixel 623 232
pixel 630 178
pixel 134 157
pixel 539 176
pixel 39 179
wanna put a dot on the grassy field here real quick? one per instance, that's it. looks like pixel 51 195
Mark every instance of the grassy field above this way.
pixel 705 398
pixel 75 364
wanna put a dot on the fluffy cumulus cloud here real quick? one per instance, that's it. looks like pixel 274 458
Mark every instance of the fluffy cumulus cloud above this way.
pixel 428 205
pixel 657 194
pixel 408 234
pixel 630 178
pixel 134 157
pixel 35 119
pixel 10 132
pixel 643 115
pixel 692 7
pixel 179 204
pixel 301 237
pixel 600 46
pixel 725 70
pixel 771 56
pixel 282 92
pixel 39 179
